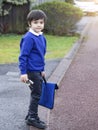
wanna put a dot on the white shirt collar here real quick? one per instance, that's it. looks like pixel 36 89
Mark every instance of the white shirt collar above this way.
pixel 37 34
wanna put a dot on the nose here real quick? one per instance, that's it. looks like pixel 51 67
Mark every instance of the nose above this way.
pixel 39 24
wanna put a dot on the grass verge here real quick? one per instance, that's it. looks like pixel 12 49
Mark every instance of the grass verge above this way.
pixel 57 47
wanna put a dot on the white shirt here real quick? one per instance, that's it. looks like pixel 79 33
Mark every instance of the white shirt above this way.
pixel 37 34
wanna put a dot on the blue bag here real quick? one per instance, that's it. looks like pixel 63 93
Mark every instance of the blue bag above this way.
pixel 48 94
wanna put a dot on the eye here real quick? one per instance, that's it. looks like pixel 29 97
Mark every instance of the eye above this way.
pixel 42 22
pixel 35 22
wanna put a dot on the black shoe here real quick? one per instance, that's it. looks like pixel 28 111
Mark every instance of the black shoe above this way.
pixel 36 123
pixel 26 117
pixel 37 118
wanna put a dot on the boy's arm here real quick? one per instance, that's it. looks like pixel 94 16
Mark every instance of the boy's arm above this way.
pixel 25 49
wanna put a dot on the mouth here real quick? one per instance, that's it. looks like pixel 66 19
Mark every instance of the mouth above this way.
pixel 38 28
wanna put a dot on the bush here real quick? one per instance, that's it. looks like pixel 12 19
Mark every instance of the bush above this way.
pixel 69 1
pixel 62 17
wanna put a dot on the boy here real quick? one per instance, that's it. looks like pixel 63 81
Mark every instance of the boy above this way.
pixel 31 62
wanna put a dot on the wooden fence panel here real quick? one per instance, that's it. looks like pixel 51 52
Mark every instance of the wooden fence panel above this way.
pixel 15 21
pixel 37 2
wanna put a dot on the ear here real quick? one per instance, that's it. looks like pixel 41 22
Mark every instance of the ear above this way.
pixel 29 24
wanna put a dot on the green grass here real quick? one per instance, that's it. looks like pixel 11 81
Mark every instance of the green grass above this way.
pixel 57 47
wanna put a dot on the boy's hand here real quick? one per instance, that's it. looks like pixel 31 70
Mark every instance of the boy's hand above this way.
pixel 43 73
pixel 24 78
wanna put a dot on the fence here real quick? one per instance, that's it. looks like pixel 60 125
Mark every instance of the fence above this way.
pixel 15 20
pixel 37 2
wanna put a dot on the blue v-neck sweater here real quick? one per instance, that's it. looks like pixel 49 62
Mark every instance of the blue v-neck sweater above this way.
pixel 32 52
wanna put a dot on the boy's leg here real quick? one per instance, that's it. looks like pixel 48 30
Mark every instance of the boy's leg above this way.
pixel 35 97
pixel 35 93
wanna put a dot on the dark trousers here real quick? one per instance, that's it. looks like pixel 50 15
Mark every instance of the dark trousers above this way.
pixel 35 93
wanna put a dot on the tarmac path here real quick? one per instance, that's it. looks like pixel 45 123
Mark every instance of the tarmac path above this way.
pixel 76 102
pixel 14 96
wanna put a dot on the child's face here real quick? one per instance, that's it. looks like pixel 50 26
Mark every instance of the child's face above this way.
pixel 37 25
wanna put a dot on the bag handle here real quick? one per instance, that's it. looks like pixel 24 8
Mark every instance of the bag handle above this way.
pixel 45 80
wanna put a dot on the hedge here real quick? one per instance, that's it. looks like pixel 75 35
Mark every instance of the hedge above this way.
pixel 62 17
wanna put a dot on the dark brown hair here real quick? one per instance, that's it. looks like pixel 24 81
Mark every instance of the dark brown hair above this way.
pixel 36 15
